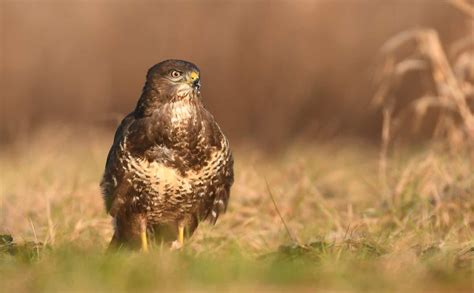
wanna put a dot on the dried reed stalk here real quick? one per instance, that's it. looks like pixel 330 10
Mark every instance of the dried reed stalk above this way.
pixel 453 85
pixel 430 58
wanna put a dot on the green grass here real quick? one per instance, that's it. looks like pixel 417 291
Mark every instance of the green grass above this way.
pixel 349 231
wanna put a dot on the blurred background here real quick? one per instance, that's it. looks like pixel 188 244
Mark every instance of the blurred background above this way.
pixel 273 71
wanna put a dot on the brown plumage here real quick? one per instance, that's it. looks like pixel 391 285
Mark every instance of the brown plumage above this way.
pixel 169 166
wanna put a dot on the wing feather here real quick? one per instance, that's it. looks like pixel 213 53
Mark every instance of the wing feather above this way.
pixel 112 178
pixel 141 136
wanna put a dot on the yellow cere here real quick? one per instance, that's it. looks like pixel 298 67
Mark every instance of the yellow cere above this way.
pixel 194 75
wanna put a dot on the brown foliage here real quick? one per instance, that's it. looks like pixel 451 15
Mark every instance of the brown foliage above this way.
pixel 270 72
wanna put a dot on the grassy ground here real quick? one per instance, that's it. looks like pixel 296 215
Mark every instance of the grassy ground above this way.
pixel 349 228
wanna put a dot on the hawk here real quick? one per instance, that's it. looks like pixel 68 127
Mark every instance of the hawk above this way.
pixel 170 166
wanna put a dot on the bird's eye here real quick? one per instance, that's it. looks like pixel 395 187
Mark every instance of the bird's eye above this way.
pixel 175 73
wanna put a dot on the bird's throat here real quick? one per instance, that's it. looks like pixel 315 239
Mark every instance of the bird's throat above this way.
pixel 183 111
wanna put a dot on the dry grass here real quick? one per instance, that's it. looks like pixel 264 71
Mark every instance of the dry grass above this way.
pixel 347 236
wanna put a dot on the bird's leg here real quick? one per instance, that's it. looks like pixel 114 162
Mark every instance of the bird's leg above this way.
pixel 181 234
pixel 143 238
pixel 178 244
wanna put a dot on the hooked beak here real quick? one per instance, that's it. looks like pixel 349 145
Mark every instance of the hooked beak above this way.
pixel 194 80
pixel 197 84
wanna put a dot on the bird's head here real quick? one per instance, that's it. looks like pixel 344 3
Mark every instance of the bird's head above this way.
pixel 174 79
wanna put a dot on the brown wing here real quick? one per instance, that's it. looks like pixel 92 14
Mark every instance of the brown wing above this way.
pixel 140 134
pixel 222 195
pixel 112 182
pixel 224 175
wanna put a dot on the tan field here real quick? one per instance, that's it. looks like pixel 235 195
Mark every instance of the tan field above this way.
pixel 345 229
pixel 351 125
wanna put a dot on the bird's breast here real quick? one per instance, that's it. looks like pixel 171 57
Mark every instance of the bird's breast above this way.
pixel 163 179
